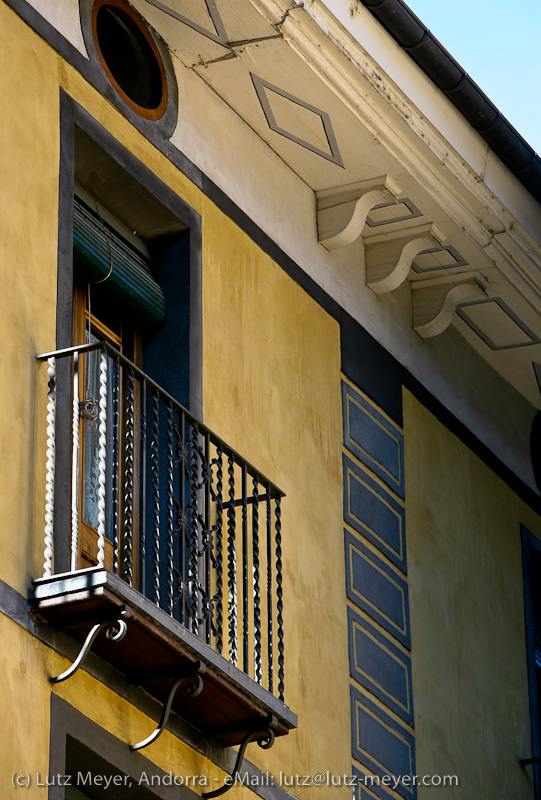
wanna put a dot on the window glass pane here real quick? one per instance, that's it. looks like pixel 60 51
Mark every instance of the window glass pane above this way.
pixel 91 440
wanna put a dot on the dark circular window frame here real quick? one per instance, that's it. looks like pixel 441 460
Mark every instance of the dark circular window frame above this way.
pixel 135 19
pixel 165 115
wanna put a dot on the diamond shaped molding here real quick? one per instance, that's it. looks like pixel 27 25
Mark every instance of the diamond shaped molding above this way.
pixel 219 34
pixel 263 88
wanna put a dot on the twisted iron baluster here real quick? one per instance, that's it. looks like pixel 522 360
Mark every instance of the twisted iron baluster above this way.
pixel 155 458
pixel 115 470
pixel 128 479
pixel 244 572
pixel 219 548
pixel 170 512
pixel 75 465
pixel 143 487
pixel 257 600
pixel 269 591
pixel 279 594
pixel 183 472
pixel 207 478
pixel 193 571
pixel 50 469
pixel 231 564
pixel 102 458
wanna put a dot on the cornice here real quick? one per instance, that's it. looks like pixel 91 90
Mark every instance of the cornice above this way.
pixel 339 60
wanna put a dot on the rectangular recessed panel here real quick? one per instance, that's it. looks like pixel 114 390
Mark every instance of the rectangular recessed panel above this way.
pixel 377 589
pixel 373 512
pixel 438 258
pixel 373 439
pixel 496 324
pixel 380 743
pixel 378 665
pixel 392 211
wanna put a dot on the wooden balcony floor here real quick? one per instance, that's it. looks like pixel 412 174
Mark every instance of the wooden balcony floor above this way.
pixel 156 650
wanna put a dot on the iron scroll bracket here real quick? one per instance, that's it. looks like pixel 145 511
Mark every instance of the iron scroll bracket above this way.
pixel 194 686
pixel 264 735
pixel 115 631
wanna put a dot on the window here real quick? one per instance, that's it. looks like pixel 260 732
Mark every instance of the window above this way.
pixel 118 300
pixel 115 294
pixel 130 57
pixel 129 274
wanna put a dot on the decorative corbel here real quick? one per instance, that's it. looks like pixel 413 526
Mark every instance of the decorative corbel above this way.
pixel 342 212
pixel 115 630
pixel 191 676
pixel 435 300
pixel 389 256
pixel 263 733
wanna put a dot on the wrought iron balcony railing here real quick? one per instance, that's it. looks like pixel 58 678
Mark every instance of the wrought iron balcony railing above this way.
pixel 161 502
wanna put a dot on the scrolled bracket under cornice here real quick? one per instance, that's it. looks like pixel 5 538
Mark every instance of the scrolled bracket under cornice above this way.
pixel 389 257
pixel 342 212
pixel 435 300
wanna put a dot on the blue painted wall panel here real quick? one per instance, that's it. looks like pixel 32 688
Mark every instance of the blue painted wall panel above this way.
pixel 380 743
pixel 373 439
pixel 378 665
pixel 377 589
pixel 366 789
pixel 375 513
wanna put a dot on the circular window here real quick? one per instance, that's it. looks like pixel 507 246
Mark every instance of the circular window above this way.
pixel 130 57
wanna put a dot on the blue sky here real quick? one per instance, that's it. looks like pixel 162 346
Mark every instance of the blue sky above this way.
pixel 498 43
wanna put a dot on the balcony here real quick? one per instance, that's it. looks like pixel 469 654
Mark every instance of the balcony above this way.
pixel 161 535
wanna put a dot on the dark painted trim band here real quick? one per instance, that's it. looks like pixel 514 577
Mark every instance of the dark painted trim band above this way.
pixel 17 608
pixel 387 374
pixel 531 550
pixel 381 377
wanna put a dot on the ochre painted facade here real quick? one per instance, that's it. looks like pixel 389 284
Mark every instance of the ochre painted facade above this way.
pixel 264 392
pixel 271 378
pixel 469 657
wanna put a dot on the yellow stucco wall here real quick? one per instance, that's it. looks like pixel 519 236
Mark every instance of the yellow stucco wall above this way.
pixel 266 393
pixel 470 685
pixel 263 391
pixel 29 150
pixel 268 396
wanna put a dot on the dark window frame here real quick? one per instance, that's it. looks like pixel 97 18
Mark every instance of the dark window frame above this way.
pixel 531 552
pixel 75 736
pixel 72 115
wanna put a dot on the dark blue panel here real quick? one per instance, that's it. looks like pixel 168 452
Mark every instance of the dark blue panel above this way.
pixel 367 788
pixel 370 367
pixel 377 664
pixel 376 588
pixel 380 743
pixel 373 439
pixel 373 512
pixel 361 792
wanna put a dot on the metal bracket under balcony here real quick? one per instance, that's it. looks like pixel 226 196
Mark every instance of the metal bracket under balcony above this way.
pixel 155 650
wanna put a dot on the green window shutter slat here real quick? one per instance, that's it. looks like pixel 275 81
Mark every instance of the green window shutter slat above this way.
pixel 130 278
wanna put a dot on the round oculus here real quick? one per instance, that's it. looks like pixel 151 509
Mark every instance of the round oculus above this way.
pixel 130 58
